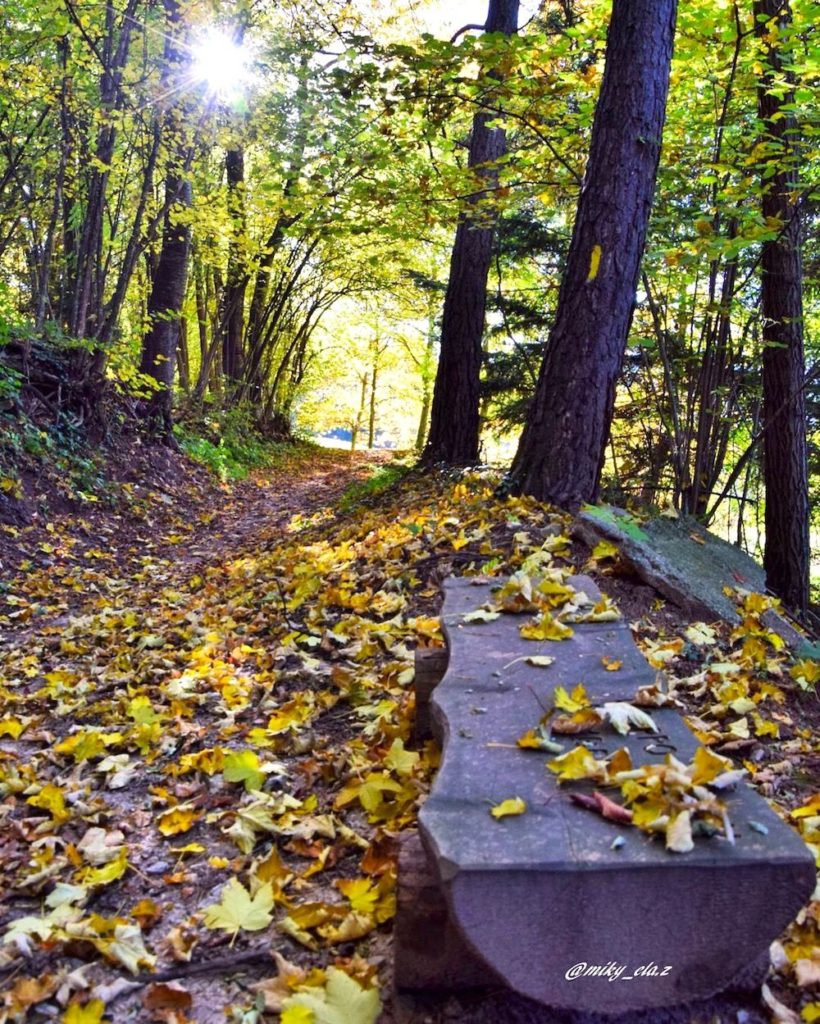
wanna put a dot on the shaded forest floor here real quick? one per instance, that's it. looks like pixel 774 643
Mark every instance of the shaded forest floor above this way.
pixel 205 737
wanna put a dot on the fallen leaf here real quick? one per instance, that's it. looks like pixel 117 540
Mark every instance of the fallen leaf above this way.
pixel 342 1000
pixel 512 806
pixel 237 910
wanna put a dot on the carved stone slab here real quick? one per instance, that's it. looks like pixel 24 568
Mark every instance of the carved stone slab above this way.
pixel 537 894
pixel 685 563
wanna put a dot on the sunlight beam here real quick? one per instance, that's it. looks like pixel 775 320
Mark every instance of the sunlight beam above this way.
pixel 222 64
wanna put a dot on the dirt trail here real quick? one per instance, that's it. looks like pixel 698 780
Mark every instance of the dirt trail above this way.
pixel 174 523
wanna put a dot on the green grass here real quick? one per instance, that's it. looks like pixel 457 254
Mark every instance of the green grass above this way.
pixel 381 480
pixel 228 444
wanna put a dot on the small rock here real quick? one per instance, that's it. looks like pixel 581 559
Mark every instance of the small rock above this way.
pixel 157 868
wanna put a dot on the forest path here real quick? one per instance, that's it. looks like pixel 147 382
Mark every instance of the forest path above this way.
pixel 170 520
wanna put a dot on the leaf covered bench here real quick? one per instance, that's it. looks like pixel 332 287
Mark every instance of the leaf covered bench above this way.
pixel 514 881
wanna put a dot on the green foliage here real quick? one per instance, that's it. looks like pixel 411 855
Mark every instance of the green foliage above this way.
pixel 381 480
pixel 228 444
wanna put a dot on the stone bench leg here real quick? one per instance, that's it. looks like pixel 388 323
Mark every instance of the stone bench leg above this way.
pixel 429 952
pixel 430 664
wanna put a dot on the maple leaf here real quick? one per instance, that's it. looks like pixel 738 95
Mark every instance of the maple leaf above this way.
pixel 369 792
pixel 577 701
pixel 90 1013
pixel 342 1000
pixel 708 766
pixel 127 948
pixel 586 720
pixel 545 627
pixel 107 873
pixel 577 763
pixel 361 893
pixel 243 766
pixel 51 799
pixel 238 911
pixel 403 762
pixel 623 717
pixel 177 820
pixel 513 806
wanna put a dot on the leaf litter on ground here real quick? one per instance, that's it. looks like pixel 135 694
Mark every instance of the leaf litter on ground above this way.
pixel 210 762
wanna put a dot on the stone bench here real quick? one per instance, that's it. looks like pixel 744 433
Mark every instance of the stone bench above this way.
pixel 521 901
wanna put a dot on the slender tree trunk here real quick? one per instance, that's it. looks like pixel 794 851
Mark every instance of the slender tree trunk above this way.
pixel 357 425
pixel 786 554
pixel 561 451
pixel 236 279
pixel 170 276
pixel 454 421
pixel 426 382
pixel 371 424
pixel 165 306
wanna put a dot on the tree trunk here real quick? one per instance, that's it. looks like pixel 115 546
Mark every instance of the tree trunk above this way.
pixel 357 424
pixel 454 421
pixel 787 550
pixel 561 451
pixel 165 305
pixel 426 381
pixel 236 280
pixel 371 424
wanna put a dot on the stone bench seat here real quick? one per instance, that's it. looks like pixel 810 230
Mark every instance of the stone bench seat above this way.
pixel 525 899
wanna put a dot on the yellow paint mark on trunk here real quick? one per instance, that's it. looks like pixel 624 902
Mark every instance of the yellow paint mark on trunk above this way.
pixel 594 262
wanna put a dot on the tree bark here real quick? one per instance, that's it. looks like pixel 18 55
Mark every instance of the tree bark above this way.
pixel 561 452
pixel 236 279
pixel 165 305
pixel 170 276
pixel 786 553
pixel 454 418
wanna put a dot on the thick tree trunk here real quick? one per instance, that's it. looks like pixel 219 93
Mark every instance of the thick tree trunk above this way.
pixel 561 451
pixel 454 420
pixel 787 551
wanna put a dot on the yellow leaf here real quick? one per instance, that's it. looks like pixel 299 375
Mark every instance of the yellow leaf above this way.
pixel 298 1015
pixel 577 763
pixel 108 872
pixel 806 672
pixel 342 1000
pixel 51 799
pixel 353 926
pixel 11 727
pixel 91 1013
pixel 243 766
pixel 811 1013
pixel 611 664
pixel 360 893
pixel 708 765
pixel 402 762
pixel 605 549
pixel 577 702
pixel 764 727
pixel 545 627
pixel 176 820
pixel 238 910
pixel 515 805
